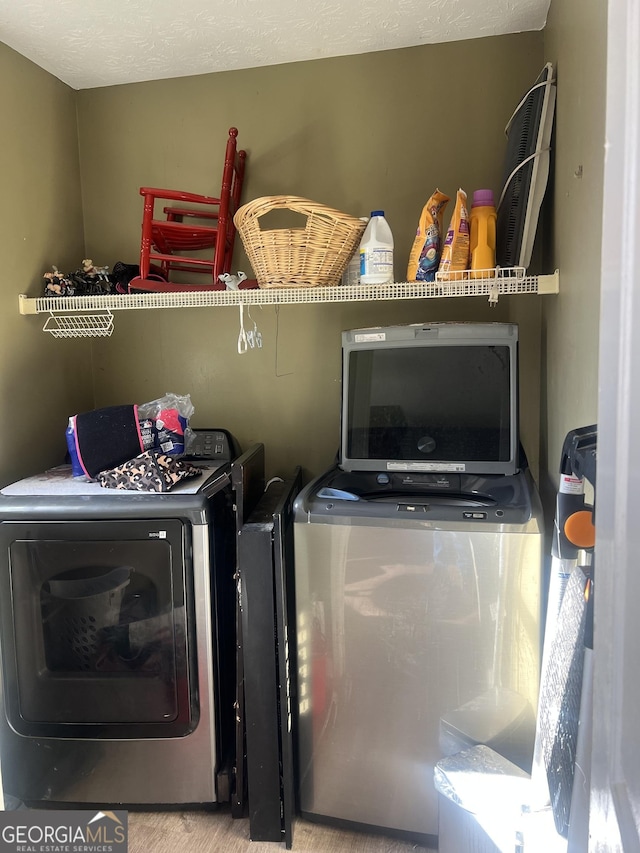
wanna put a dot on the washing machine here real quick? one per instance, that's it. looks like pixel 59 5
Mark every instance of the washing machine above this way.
pixel 117 640
pixel 418 599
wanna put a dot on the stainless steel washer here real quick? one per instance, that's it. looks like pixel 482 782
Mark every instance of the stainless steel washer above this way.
pixel 418 633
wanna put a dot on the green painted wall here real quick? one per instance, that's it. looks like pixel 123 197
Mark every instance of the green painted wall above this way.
pixel 42 380
pixel 576 43
pixel 357 133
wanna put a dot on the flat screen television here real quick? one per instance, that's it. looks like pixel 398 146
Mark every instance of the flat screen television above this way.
pixel 525 172
pixel 432 397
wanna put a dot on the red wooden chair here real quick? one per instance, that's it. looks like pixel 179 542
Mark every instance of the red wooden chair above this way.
pixel 169 243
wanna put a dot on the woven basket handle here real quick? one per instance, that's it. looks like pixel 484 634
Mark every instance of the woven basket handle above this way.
pixel 261 206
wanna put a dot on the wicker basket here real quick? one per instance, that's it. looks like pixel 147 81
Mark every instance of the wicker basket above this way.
pixel 298 257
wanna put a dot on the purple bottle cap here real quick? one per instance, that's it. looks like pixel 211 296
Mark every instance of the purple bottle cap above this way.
pixel 482 198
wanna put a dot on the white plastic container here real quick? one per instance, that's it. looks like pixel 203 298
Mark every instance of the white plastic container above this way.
pixel 351 275
pixel 376 251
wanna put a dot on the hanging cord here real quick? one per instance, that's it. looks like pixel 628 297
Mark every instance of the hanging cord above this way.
pixel 517 109
pixel 516 170
pixel 242 337
pixel 506 131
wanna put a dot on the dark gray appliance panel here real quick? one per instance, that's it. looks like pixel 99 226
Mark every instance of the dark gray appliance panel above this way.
pixel 265 556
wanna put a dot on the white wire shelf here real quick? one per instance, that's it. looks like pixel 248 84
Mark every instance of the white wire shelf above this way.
pixel 63 309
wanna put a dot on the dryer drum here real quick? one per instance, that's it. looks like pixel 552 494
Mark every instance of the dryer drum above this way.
pixel 76 611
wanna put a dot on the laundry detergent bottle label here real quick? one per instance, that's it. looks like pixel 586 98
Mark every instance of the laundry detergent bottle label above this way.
pixel 376 251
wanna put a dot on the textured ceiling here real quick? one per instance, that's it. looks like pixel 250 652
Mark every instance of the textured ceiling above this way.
pixel 89 43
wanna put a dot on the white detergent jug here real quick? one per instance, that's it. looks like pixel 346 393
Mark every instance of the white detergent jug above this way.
pixel 376 251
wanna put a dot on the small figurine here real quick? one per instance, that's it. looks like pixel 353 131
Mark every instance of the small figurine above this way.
pixel 91 271
pixel 57 284
pixel 90 280
pixel 232 281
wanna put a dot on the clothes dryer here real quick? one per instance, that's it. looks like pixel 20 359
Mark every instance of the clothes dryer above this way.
pixel 117 649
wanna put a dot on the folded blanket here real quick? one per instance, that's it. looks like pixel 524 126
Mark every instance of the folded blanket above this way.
pixel 107 437
pixel 149 472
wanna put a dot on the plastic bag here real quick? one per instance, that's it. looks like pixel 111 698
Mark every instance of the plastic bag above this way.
pixel 164 423
pixel 455 252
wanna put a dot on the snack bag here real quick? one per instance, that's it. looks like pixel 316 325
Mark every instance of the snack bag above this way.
pixel 455 252
pixel 164 423
pixel 427 245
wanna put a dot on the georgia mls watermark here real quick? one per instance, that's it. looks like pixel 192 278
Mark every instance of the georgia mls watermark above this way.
pixel 66 831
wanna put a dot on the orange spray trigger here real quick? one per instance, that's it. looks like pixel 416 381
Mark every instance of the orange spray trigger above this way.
pixel 579 529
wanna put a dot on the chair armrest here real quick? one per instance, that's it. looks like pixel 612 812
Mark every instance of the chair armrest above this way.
pixel 176 195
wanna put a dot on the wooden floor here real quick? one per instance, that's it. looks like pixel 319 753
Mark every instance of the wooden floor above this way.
pixel 217 832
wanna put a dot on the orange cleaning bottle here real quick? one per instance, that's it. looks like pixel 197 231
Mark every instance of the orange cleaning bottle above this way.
pixel 482 221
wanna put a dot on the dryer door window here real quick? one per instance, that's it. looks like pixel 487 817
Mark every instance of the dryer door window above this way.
pixel 98 626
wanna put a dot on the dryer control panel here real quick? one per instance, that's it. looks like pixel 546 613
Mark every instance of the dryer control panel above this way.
pixel 209 444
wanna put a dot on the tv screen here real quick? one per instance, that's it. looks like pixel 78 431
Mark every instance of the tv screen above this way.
pixel 439 397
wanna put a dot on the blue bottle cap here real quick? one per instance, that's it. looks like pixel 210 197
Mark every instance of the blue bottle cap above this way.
pixel 377 213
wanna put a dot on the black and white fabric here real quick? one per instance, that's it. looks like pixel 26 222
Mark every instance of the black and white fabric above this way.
pixel 149 472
